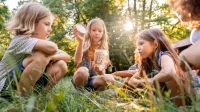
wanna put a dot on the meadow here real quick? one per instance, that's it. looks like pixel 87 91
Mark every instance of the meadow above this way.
pixel 65 98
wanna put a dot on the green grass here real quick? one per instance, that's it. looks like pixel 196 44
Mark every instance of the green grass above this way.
pixel 65 98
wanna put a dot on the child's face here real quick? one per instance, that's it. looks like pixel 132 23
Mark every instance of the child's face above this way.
pixel 96 32
pixel 145 48
pixel 43 28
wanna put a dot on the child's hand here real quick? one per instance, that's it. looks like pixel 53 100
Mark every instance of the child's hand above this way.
pixel 79 36
pixel 97 68
pixel 134 82
pixel 61 56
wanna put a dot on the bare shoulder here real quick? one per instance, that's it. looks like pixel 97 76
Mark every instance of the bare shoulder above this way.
pixel 167 61
pixel 166 57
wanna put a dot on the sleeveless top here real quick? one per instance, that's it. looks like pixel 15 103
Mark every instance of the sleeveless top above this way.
pixel 155 71
pixel 87 59
pixel 86 62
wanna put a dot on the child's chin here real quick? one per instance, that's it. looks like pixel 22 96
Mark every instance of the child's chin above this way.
pixel 144 57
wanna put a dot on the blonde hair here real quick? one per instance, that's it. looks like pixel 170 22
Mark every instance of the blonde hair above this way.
pixel 24 20
pixel 104 39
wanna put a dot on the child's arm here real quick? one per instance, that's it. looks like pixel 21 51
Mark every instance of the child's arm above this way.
pixel 125 73
pixel 79 49
pixel 168 70
pixel 61 56
pixel 46 46
pixel 191 55
pixel 79 52
pixel 167 73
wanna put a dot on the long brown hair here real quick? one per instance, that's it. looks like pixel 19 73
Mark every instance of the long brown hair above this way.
pixel 152 35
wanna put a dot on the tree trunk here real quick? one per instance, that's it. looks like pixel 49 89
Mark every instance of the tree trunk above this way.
pixel 143 15
pixel 150 10
pixel 129 10
pixel 80 16
pixel 135 16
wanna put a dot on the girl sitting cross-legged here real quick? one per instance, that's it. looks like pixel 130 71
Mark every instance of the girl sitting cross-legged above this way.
pixel 85 75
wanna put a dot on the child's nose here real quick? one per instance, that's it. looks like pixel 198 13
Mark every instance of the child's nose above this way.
pixel 138 48
pixel 50 29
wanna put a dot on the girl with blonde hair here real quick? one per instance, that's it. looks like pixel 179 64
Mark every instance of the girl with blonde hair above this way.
pixel 29 54
pixel 95 38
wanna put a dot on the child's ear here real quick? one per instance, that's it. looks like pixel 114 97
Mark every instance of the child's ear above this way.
pixel 155 44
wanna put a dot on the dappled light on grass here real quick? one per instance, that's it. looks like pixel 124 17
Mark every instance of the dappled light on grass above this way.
pixel 64 97
pixel 51 106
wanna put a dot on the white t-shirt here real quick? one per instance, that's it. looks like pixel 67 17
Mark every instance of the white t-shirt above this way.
pixel 195 35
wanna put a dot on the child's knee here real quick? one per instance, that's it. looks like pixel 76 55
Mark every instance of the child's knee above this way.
pixel 41 58
pixel 62 66
pixel 100 84
pixel 97 82
pixel 81 74
pixel 110 79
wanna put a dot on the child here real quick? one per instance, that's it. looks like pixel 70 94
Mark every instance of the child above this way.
pixel 157 54
pixel 188 11
pixel 95 38
pixel 30 54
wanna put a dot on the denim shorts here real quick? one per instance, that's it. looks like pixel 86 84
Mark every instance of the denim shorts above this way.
pixel 17 71
pixel 92 72
pixel 89 86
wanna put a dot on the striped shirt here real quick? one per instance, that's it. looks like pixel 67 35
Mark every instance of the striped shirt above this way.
pixel 17 50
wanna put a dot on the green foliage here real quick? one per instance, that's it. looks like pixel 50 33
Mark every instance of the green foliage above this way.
pixel 4 34
pixel 51 106
pixel 62 30
pixel 145 14
pixel 171 25
pixel 65 98
pixel 110 12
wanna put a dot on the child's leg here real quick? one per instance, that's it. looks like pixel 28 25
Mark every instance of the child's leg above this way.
pixel 175 92
pixel 80 77
pixel 34 66
pixel 125 84
pixel 55 72
pixel 101 83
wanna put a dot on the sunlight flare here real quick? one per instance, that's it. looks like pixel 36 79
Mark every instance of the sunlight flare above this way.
pixel 128 26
